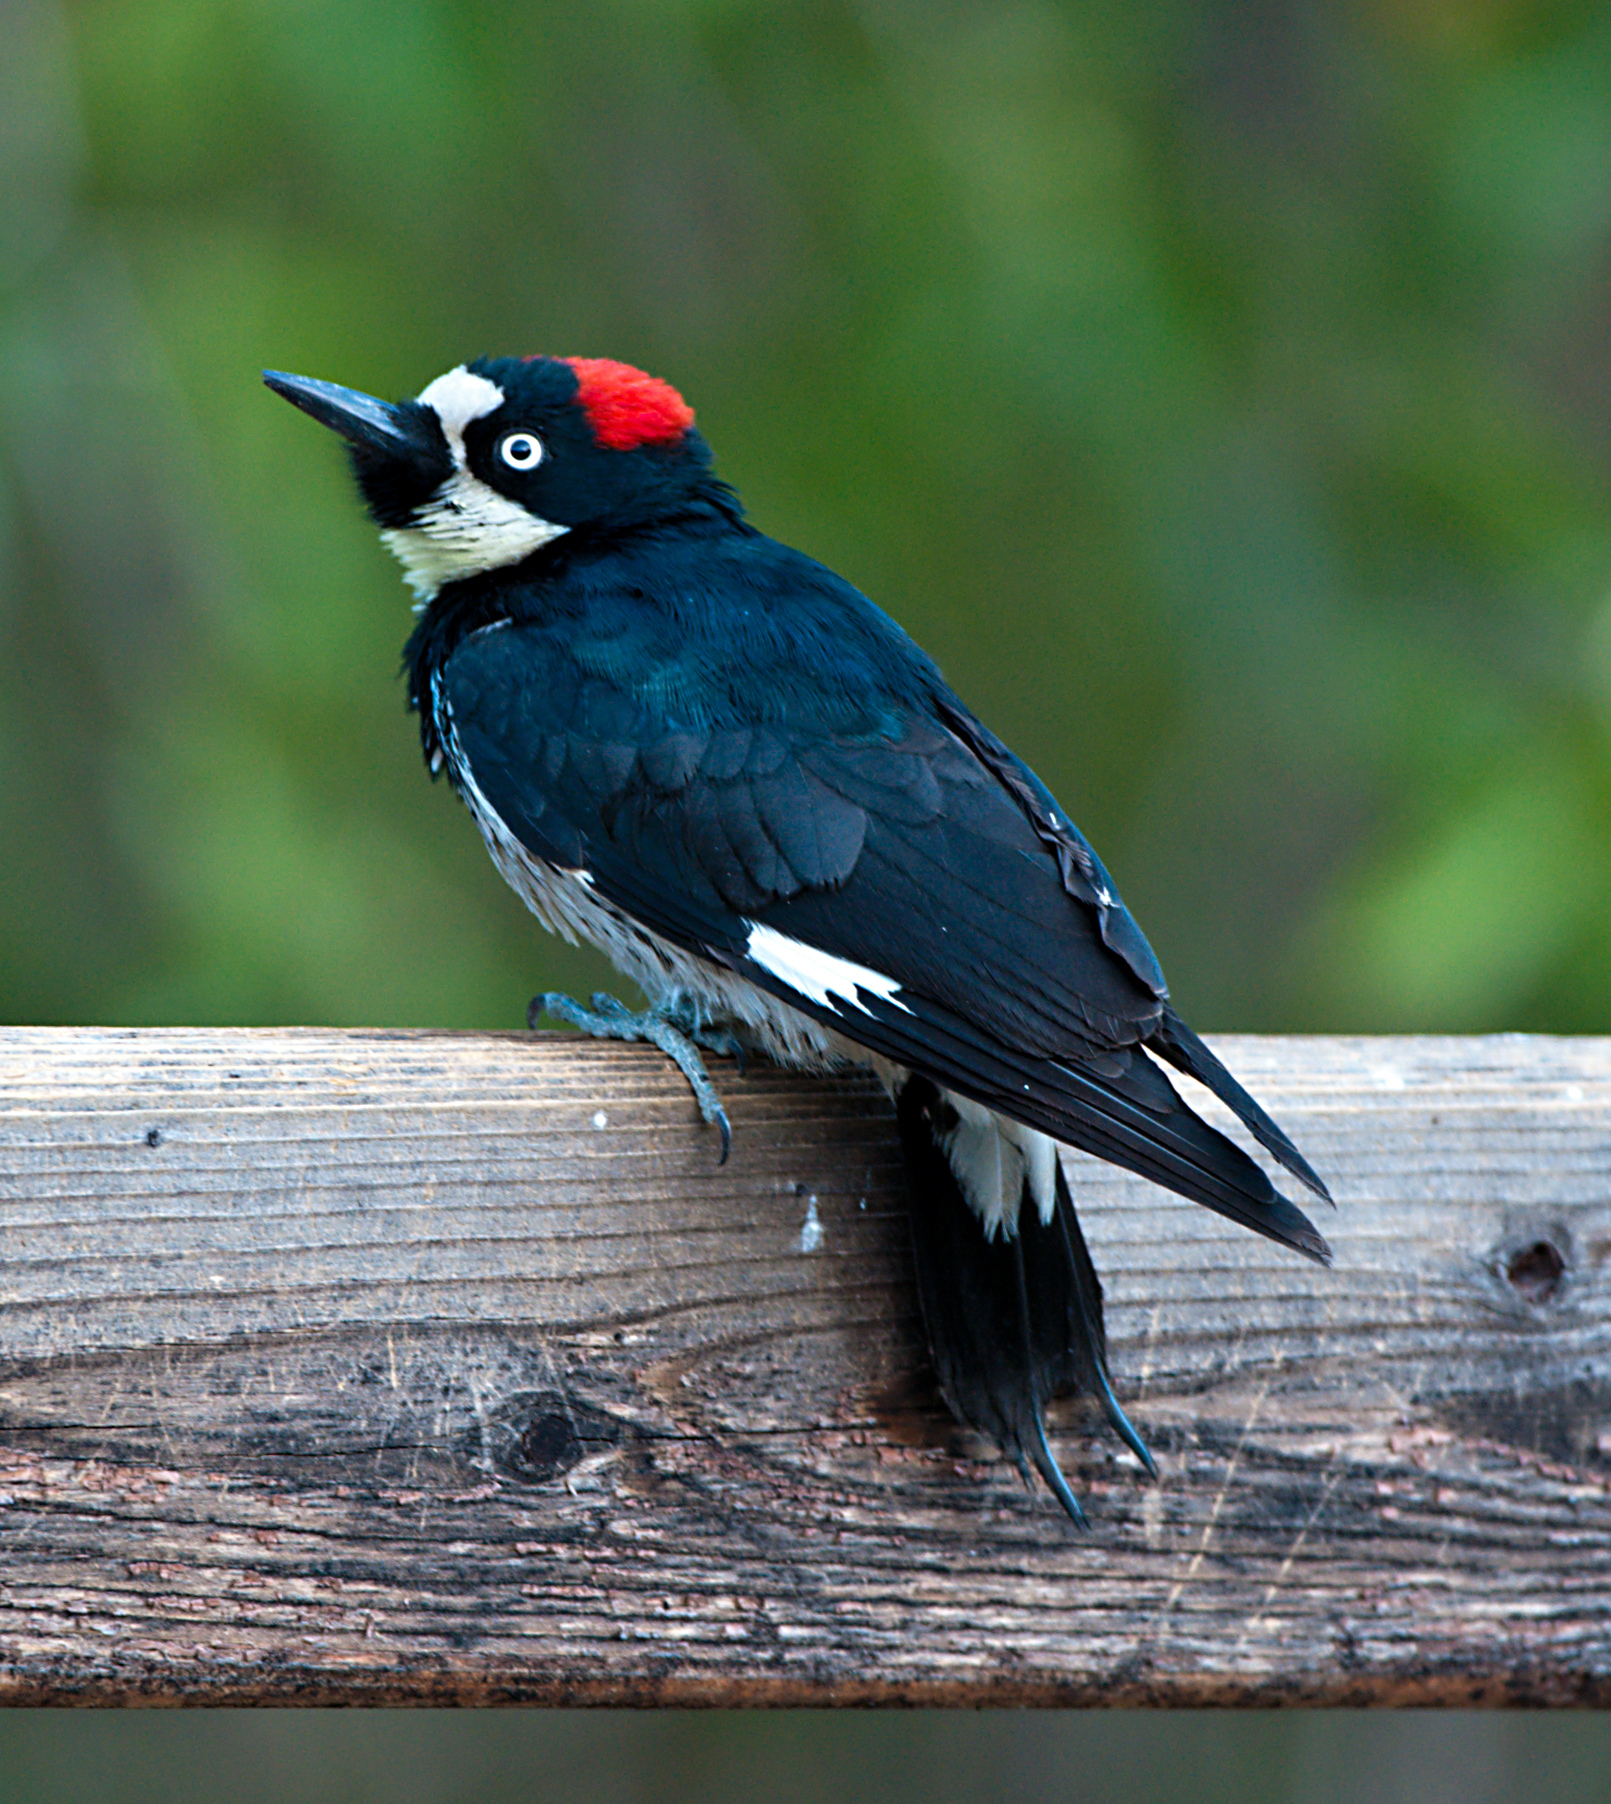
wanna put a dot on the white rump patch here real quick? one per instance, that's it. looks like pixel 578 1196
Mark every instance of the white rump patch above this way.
pixel 992 1156
pixel 466 526
pixel 825 979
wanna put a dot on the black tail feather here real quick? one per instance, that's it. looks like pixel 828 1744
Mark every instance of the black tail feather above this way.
pixel 1088 1300
pixel 1031 1330
pixel 1012 1321
pixel 1175 1042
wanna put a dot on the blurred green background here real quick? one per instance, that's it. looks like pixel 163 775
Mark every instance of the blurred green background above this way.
pixel 1222 391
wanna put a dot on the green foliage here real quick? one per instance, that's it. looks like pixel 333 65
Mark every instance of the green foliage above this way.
pixel 1220 391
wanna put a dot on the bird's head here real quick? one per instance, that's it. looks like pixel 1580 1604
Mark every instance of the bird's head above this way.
pixel 498 457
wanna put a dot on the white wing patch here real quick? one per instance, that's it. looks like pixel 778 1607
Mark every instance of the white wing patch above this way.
pixel 830 981
pixel 466 526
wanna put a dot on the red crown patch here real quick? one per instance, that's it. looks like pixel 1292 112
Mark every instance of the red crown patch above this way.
pixel 625 407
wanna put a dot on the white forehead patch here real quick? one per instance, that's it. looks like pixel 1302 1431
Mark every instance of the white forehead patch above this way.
pixel 458 398
pixel 466 526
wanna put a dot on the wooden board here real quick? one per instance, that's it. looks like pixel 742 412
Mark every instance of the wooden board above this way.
pixel 431 1367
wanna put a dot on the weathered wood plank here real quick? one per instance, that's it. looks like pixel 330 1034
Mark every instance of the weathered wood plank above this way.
pixel 451 1367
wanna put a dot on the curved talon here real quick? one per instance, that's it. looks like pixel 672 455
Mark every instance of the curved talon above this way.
pixel 562 1008
pixel 675 1032
pixel 727 1046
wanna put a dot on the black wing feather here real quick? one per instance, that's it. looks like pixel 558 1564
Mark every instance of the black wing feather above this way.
pixel 1176 1042
pixel 923 852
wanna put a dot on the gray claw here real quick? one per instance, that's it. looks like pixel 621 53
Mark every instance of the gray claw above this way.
pixel 675 1033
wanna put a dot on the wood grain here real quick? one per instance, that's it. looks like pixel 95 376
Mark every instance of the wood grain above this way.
pixel 432 1367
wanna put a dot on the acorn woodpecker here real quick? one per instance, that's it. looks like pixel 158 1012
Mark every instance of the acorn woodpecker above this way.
pixel 714 759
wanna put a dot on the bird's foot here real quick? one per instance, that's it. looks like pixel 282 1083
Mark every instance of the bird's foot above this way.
pixel 676 1029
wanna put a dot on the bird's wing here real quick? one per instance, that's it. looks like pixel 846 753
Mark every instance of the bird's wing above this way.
pixel 900 882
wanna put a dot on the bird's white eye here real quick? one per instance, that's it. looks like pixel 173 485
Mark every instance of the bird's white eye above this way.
pixel 521 450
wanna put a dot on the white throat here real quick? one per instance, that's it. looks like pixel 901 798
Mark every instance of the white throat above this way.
pixel 466 526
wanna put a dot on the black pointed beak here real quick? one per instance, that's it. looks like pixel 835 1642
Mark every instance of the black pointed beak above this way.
pixel 359 418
